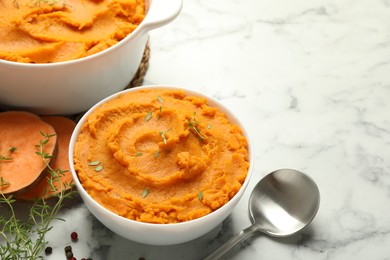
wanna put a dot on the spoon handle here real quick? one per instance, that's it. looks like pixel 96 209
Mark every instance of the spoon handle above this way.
pixel 229 244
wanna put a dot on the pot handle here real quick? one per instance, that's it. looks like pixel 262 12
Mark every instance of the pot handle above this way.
pixel 161 12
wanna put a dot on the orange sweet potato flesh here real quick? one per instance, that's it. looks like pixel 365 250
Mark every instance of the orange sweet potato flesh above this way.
pixel 64 128
pixel 25 169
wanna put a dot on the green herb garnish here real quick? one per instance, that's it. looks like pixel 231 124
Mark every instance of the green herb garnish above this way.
pixel 41 145
pixel 159 115
pixel 157 154
pixel 138 154
pixel 145 193
pixel 3 183
pixel 193 125
pixel 200 195
pixel 162 133
pixel 94 163
pixel 98 168
pixel 148 116
pixel 7 157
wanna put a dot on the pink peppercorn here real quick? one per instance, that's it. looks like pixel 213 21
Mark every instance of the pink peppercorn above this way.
pixel 74 236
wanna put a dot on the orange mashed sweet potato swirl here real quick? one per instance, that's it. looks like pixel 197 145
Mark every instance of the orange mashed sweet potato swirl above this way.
pixel 37 31
pixel 160 156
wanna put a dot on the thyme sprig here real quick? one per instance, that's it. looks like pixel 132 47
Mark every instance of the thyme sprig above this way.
pixel 3 183
pixel 44 155
pixel 148 116
pixel 26 239
pixel 6 157
pixel 193 125
pixel 98 167
pixel 162 133
pixel 145 193
pixel 200 195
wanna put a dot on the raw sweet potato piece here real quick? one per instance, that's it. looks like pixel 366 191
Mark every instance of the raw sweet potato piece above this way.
pixel 21 167
pixel 64 128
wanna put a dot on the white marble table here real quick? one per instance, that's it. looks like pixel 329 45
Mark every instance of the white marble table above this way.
pixel 311 81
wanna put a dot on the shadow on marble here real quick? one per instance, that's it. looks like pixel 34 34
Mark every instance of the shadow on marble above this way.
pixel 112 246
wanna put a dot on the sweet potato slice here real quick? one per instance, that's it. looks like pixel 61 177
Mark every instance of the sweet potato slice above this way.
pixel 64 128
pixel 21 167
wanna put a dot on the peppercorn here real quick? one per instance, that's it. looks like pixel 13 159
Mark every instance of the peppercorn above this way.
pixel 68 249
pixel 74 236
pixel 69 254
pixel 48 250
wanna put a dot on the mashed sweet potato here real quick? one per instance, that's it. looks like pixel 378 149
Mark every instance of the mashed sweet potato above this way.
pixel 160 156
pixel 44 31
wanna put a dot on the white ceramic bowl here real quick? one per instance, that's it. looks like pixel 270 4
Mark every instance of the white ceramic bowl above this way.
pixel 74 86
pixel 161 234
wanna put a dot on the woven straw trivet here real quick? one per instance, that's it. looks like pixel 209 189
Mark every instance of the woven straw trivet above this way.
pixel 143 67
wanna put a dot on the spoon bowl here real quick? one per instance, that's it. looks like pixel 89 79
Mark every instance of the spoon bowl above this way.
pixel 284 202
pixel 281 204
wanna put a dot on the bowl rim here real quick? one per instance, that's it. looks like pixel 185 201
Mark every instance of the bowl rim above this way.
pixel 211 101
pixel 139 29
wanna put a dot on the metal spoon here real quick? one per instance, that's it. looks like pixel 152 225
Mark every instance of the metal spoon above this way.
pixel 281 204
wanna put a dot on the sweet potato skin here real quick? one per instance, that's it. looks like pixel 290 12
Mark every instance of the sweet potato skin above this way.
pixel 22 131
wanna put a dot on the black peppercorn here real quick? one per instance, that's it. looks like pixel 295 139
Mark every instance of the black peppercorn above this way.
pixel 69 254
pixel 48 250
pixel 68 249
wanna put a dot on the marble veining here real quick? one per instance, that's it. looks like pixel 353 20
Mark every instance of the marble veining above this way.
pixel 310 79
